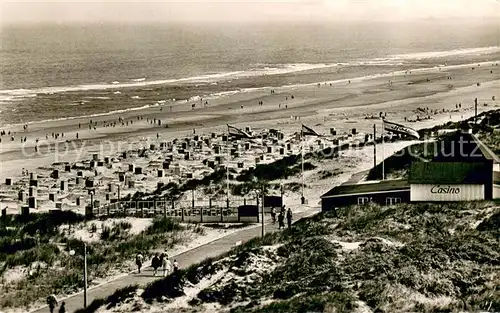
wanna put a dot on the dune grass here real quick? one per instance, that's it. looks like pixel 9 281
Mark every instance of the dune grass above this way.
pixel 410 258
pixel 57 271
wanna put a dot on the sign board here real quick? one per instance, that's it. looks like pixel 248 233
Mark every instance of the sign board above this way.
pixel 273 201
pixel 446 192
pixel 248 210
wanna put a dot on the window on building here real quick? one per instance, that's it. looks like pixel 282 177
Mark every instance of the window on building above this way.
pixel 363 200
pixel 392 200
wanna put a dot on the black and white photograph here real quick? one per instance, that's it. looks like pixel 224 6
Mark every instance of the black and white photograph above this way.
pixel 248 156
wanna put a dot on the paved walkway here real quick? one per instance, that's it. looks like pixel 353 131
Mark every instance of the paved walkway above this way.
pixel 185 259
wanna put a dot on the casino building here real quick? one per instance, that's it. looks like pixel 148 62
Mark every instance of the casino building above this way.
pixel 464 169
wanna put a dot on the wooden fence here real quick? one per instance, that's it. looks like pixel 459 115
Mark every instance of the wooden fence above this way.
pixel 198 211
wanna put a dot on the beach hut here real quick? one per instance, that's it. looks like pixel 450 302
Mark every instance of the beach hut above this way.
pixel 25 210
pixel 64 185
pixel 32 204
pixel 32 191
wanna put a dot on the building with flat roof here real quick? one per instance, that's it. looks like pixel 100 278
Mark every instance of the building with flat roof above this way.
pixel 385 192
pixel 464 169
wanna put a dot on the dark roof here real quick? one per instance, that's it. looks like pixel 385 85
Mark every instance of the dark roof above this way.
pixel 449 173
pixel 367 187
pixel 463 147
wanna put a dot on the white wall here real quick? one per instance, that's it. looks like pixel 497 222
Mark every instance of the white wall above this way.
pixel 496 191
pixel 446 192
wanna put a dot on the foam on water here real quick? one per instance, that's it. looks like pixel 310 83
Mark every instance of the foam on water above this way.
pixel 440 54
pixel 257 70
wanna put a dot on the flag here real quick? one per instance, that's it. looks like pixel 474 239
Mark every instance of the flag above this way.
pixel 400 129
pixel 237 133
pixel 306 131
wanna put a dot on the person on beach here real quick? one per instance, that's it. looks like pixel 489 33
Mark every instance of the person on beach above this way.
pixel 289 218
pixel 166 264
pixel 273 215
pixel 155 264
pixel 51 302
pixel 62 308
pixel 176 266
pixel 139 259
pixel 281 220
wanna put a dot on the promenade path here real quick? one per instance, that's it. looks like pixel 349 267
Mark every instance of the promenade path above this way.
pixel 185 259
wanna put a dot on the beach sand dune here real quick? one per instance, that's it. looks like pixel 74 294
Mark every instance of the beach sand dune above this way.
pixel 341 105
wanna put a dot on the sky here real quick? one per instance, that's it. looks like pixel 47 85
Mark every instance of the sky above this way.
pixel 201 11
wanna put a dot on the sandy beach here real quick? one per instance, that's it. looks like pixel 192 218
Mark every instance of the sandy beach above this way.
pixel 342 104
pixel 249 156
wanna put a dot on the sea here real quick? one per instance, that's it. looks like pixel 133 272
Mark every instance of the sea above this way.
pixel 61 71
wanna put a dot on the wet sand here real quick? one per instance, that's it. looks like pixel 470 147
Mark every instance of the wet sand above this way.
pixel 342 105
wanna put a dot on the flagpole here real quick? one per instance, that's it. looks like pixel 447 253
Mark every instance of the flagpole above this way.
pixel 227 166
pixel 302 161
pixel 374 146
pixel 383 152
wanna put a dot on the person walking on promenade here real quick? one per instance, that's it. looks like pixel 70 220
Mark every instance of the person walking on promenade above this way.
pixel 273 215
pixel 51 302
pixel 139 259
pixel 289 218
pixel 176 266
pixel 62 308
pixel 166 264
pixel 155 264
pixel 281 220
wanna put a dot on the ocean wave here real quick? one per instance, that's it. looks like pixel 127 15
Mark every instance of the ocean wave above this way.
pixel 83 116
pixel 253 89
pixel 213 78
pixel 446 53
pixel 194 98
pixel 262 69
pixel 98 98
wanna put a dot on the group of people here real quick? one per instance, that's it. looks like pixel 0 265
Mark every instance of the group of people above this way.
pixel 281 217
pixel 158 261
pixel 52 303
